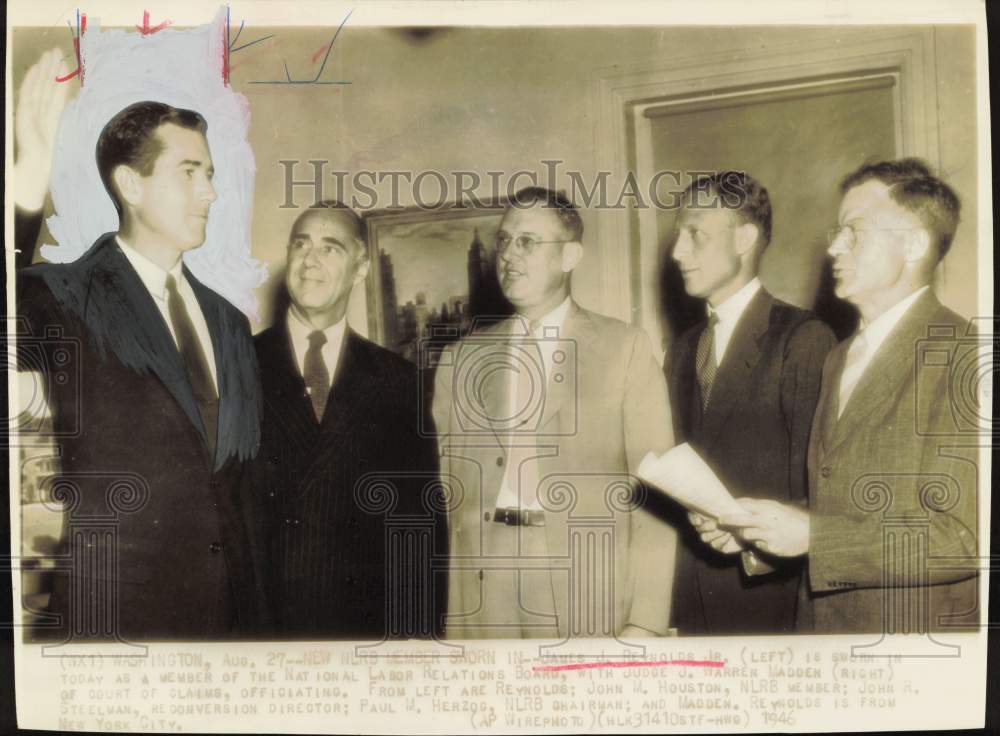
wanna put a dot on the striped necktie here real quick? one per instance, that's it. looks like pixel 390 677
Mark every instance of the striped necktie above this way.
pixel 705 364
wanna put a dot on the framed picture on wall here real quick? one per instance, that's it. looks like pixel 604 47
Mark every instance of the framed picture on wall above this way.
pixel 433 273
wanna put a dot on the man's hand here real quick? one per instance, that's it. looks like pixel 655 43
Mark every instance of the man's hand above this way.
pixel 776 528
pixel 719 539
pixel 40 102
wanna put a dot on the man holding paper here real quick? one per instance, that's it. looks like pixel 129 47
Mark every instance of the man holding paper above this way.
pixel 890 530
pixel 744 385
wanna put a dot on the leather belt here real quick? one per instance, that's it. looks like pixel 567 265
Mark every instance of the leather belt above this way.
pixel 519 517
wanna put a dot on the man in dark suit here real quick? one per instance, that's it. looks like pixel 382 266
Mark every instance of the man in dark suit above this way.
pixel 348 462
pixel 744 386
pixel 152 383
pixel 890 531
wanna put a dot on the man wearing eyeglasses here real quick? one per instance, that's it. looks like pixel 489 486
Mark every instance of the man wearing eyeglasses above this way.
pixel 744 385
pixel 344 451
pixel 890 529
pixel 542 419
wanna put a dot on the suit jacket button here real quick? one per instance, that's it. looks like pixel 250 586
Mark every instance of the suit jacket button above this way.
pixel 215 548
pixel 486 516
pixel 499 462
pixel 825 471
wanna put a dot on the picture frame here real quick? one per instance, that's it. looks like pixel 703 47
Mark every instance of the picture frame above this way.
pixel 432 274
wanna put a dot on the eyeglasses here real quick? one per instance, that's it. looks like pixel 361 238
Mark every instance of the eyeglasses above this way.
pixel 851 234
pixel 524 243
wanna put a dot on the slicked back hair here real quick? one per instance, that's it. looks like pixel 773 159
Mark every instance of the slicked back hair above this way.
pixel 336 208
pixel 130 138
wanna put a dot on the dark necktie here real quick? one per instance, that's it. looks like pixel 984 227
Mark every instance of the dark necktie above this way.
pixel 199 375
pixel 316 376
pixel 705 364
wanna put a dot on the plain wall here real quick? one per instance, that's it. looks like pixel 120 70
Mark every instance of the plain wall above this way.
pixel 503 99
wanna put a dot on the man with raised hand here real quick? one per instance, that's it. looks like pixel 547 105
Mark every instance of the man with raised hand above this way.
pixel 152 384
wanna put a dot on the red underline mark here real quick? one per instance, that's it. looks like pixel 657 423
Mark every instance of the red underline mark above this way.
pixel 628 663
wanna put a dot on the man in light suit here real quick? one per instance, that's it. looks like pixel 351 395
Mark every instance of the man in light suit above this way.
pixel 744 385
pixel 152 383
pixel 541 419
pixel 344 451
pixel 890 529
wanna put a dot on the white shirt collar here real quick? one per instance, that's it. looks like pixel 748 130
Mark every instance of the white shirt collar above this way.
pixel 151 274
pixel 555 318
pixel 732 309
pixel 300 331
pixel 879 328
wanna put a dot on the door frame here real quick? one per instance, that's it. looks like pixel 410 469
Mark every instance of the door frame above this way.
pixel 626 237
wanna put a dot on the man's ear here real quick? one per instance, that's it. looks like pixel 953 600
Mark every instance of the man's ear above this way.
pixel 127 182
pixel 362 272
pixel 572 254
pixel 918 245
pixel 746 237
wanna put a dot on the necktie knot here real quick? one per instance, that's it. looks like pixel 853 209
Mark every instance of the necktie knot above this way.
pixel 317 339
pixel 713 320
pixel 171 284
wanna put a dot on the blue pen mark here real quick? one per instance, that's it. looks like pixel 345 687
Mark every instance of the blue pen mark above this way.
pixel 231 47
pixel 230 43
pixel 315 80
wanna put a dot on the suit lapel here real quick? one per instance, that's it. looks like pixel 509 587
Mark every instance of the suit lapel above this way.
pixel 141 339
pixel 828 400
pixel 683 385
pixel 733 379
pixel 216 325
pixel 575 340
pixel 889 368
pixel 286 386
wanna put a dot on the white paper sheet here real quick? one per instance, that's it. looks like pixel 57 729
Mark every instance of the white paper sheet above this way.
pixel 684 475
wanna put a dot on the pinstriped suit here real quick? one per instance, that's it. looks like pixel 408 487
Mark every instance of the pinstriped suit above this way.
pixel 328 561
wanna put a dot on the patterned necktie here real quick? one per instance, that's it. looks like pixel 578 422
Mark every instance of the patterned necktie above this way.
pixel 705 364
pixel 316 376
pixel 853 368
pixel 193 355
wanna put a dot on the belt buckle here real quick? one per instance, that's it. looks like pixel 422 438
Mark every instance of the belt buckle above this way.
pixel 512 517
